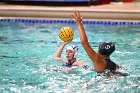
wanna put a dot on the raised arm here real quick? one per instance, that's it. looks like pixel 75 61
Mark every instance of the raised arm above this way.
pixel 83 38
pixel 57 55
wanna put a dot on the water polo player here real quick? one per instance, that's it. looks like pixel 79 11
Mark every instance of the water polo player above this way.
pixel 71 55
pixel 101 59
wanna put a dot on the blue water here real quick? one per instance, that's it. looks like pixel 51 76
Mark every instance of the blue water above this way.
pixel 27 64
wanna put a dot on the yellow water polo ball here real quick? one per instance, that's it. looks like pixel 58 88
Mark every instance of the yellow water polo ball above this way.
pixel 66 34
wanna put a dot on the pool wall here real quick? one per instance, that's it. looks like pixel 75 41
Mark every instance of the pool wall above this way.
pixel 94 14
pixel 126 11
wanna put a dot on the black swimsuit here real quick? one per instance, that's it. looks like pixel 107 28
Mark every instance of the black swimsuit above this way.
pixel 110 65
pixel 111 69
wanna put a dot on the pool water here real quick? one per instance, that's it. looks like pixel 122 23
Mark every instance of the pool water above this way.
pixel 26 59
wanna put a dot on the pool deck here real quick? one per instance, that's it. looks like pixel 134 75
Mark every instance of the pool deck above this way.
pixel 113 11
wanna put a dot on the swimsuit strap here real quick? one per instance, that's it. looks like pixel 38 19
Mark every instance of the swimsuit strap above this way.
pixel 69 64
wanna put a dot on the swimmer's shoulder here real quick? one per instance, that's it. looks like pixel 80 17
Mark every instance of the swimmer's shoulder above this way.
pixel 79 63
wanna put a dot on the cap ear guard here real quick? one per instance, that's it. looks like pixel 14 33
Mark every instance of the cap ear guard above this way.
pixel 75 48
pixel 75 55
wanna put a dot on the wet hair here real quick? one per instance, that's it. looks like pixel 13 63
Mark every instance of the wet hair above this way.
pixel 106 48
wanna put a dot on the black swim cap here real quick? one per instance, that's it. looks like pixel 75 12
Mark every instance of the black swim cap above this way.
pixel 106 48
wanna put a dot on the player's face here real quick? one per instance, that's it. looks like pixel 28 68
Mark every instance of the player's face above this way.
pixel 69 54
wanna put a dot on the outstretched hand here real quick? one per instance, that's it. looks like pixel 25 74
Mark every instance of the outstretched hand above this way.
pixel 76 17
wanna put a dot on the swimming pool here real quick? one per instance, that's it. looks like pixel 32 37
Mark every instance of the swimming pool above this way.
pixel 27 49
